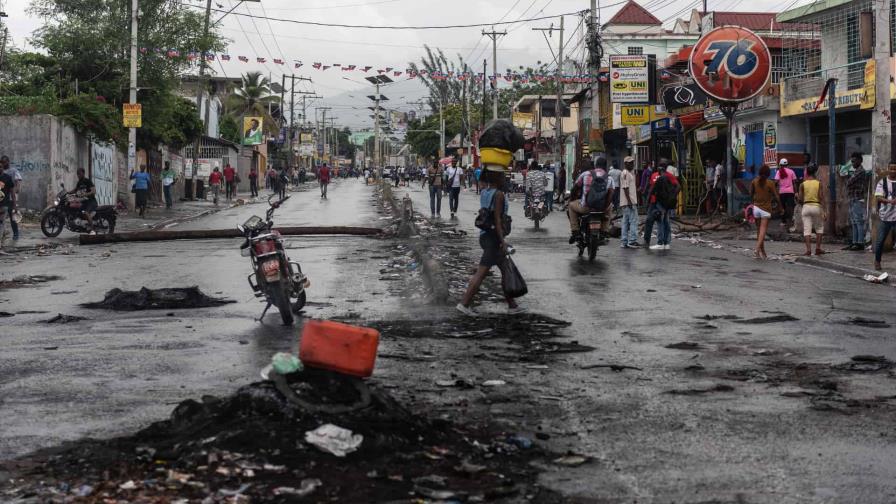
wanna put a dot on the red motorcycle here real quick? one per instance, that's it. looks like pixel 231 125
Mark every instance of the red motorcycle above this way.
pixel 274 276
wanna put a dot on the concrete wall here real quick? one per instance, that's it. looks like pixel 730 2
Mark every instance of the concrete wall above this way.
pixel 46 151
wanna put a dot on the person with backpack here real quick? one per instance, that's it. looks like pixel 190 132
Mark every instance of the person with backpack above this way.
pixel 597 193
pixel 662 197
pixel 765 193
pixel 885 194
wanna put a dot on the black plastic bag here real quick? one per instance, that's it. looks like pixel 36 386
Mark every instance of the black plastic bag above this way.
pixel 511 280
pixel 501 134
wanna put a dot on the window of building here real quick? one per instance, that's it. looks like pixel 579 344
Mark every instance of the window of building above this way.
pixel 637 51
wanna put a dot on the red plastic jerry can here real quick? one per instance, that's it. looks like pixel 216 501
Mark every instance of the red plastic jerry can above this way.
pixel 339 347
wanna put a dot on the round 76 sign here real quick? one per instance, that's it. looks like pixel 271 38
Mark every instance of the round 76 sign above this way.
pixel 730 64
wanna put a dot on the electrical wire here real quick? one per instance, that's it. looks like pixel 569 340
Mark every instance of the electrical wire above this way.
pixel 383 27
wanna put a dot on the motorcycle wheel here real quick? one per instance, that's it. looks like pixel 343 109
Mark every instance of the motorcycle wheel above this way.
pixel 300 302
pixel 537 224
pixel 104 222
pixel 52 224
pixel 592 247
pixel 281 300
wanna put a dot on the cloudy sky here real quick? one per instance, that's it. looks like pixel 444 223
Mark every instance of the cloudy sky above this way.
pixel 346 91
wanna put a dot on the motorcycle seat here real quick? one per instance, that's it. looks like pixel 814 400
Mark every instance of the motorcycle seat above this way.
pixel 105 207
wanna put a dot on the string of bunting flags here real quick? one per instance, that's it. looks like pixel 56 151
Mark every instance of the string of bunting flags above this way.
pixel 522 77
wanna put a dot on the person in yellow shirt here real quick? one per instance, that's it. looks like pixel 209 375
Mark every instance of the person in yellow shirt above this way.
pixel 812 198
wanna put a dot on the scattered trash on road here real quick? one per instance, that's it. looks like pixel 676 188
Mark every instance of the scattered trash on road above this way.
pixel 157 299
pixel 334 439
pixel 876 279
pixel 308 486
pixel 285 363
pixel 493 383
pixel 571 460
pixel 64 319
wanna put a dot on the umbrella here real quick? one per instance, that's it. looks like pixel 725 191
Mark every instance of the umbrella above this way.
pixel 446 160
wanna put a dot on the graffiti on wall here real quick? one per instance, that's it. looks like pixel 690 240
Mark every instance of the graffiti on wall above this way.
pixel 102 166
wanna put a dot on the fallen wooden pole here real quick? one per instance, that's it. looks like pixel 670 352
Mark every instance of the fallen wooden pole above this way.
pixel 210 234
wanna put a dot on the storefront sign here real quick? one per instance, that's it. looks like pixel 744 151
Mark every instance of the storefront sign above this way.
pixel 629 79
pixel 636 115
pixel 850 98
pixel 730 64
pixel 771 135
pixel 132 115
pixel 684 99
pixel 870 85
pixel 713 114
pixel 707 135
pixel 524 120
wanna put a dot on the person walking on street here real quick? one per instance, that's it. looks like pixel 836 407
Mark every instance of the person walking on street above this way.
pixel 492 241
pixel 455 176
pixel 549 185
pixel 229 178
pixel 811 197
pixel 885 195
pixel 616 175
pixel 16 177
pixel 765 195
pixel 857 189
pixel 646 173
pixel 477 173
pixel 214 183
pixel 253 182
pixel 141 189
pixel 661 199
pixel 324 177
pixel 628 202
pixel 560 186
pixel 434 177
pixel 7 199
pixel 786 189
pixel 169 177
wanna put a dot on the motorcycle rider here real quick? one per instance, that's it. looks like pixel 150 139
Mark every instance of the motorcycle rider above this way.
pixel 85 189
pixel 577 207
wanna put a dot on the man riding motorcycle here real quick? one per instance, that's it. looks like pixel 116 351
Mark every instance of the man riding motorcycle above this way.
pixel 536 180
pixel 85 189
pixel 581 187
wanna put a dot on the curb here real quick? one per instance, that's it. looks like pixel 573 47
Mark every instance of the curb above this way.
pixel 843 269
pixel 433 277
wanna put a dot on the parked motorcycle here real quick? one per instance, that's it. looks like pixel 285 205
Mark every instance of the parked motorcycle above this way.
pixel 274 277
pixel 591 236
pixel 66 213
pixel 536 208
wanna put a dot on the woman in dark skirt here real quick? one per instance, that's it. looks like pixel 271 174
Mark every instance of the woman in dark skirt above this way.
pixel 494 248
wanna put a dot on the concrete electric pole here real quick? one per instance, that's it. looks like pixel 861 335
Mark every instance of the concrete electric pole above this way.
pixel 494 36
pixel 558 82
pixel 132 98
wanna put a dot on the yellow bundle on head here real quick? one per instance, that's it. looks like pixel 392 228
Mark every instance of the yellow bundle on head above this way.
pixel 498 141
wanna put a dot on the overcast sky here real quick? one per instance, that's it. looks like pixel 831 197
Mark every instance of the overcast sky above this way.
pixel 271 39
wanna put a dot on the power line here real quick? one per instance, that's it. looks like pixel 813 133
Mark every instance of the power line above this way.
pixel 372 27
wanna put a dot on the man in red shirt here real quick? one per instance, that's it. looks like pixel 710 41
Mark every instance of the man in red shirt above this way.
pixel 229 178
pixel 324 178
pixel 662 197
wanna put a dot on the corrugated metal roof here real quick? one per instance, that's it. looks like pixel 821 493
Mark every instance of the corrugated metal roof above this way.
pixel 756 21
pixel 807 10
pixel 633 14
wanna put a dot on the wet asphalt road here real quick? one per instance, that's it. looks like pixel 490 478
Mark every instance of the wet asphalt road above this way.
pixel 765 439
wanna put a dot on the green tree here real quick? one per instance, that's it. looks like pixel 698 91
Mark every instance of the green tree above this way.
pixel 229 129
pixel 253 98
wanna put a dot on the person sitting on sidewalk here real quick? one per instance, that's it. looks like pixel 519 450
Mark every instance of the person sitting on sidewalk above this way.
pixel 812 199
pixel 885 195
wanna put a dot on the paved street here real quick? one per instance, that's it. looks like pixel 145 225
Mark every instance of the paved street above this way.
pixel 757 400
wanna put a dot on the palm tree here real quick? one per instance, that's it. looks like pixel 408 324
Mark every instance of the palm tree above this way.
pixel 253 98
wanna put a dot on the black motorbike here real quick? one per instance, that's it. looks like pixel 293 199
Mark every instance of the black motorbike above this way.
pixel 274 277
pixel 66 213
pixel 591 236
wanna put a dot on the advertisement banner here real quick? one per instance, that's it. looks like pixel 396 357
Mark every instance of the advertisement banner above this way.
pixel 132 115
pixel 629 79
pixel 684 99
pixel 252 130
pixel 524 120
pixel 636 115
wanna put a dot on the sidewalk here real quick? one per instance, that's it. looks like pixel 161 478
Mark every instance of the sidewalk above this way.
pixel 743 241
pixel 156 217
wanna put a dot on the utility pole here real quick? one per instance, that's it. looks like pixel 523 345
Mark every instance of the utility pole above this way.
pixel 494 36
pixel 558 109
pixel 188 188
pixel 484 80
pixel 376 132
pixel 3 48
pixel 305 119
pixel 132 98
pixel 323 129
pixel 464 119
pixel 881 148
pixel 441 126
pixel 292 107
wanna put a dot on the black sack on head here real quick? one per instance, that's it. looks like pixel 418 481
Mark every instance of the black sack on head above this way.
pixel 501 134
